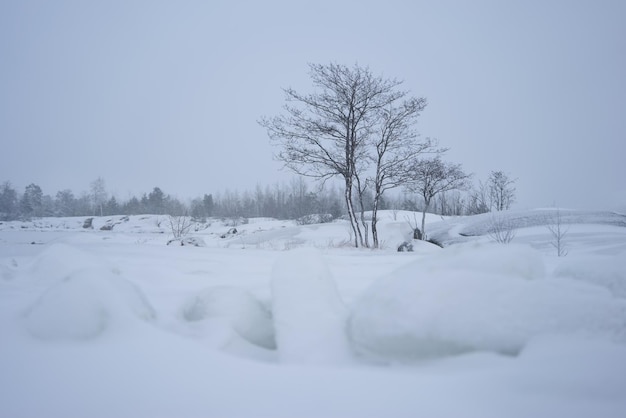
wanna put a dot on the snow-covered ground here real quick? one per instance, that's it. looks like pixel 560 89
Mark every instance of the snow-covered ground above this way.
pixel 284 320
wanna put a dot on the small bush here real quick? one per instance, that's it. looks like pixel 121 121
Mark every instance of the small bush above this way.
pixel 180 226
pixel 501 229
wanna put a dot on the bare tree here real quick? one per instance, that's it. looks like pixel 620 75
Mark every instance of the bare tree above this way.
pixel 501 190
pixel 558 232
pixel 324 134
pixel 395 146
pixel 432 176
pixel 98 195
pixel 180 225
pixel 478 199
pixel 362 190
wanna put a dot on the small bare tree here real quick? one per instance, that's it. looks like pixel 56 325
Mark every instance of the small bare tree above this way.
pixel 98 195
pixel 395 146
pixel 478 199
pixel 180 225
pixel 501 190
pixel 558 232
pixel 432 176
pixel 501 230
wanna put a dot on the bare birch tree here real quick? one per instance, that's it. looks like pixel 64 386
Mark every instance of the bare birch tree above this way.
pixel 558 231
pixel 98 195
pixel 432 176
pixel 324 134
pixel 395 146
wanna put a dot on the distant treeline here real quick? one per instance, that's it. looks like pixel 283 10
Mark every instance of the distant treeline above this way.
pixel 294 200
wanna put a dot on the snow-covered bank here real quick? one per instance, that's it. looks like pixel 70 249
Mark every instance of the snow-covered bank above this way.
pixel 115 323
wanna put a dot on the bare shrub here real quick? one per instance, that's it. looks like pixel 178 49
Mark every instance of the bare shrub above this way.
pixel 501 229
pixel 180 225
pixel 558 232
pixel 314 219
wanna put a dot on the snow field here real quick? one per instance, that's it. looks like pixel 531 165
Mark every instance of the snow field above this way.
pixel 104 324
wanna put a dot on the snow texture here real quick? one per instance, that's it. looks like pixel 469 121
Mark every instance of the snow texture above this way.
pixel 245 314
pixel 607 272
pixel 465 304
pixel 59 260
pixel 85 304
pixel 497 259
pixel 309 316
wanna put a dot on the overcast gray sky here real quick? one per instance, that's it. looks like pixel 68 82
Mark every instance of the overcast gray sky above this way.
pixel 168 93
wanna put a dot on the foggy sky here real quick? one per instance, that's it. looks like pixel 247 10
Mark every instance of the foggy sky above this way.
pixel 168 93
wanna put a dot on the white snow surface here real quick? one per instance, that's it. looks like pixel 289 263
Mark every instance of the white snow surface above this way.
pixel 244 313
pixel 309 316
pixel 284 320
pixel 460 306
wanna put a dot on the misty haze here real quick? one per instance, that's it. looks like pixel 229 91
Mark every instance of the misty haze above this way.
pixel 337 209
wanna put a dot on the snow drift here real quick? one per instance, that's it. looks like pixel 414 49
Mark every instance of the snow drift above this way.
pixel 605 271
pixel 244 313
pixel 85 304
pixel 455 306
pixel 309 315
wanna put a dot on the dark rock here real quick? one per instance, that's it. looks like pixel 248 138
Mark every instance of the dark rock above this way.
pixel 405 247
pixel 231 231
pixel 188 242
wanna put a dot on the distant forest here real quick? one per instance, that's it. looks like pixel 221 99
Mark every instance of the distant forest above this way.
pixel 293 200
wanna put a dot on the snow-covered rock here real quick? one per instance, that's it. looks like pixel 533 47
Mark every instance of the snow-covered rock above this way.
pixel 309 315
pixel 245 314
pixel 84 305
pixel 188 241
pixel 456 307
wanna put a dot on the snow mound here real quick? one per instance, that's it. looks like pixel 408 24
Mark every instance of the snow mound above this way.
pixel 60 260
pixel 608 272
pixel 245 314
pixel 508 260
pixel 415 314
pixel 309 315
pixel 84 305
pixel 467 228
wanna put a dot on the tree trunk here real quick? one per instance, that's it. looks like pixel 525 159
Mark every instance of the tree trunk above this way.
pixel 362 206
pixel 426 205
pixel 353 221
pixel 365 229
pixel 375 220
